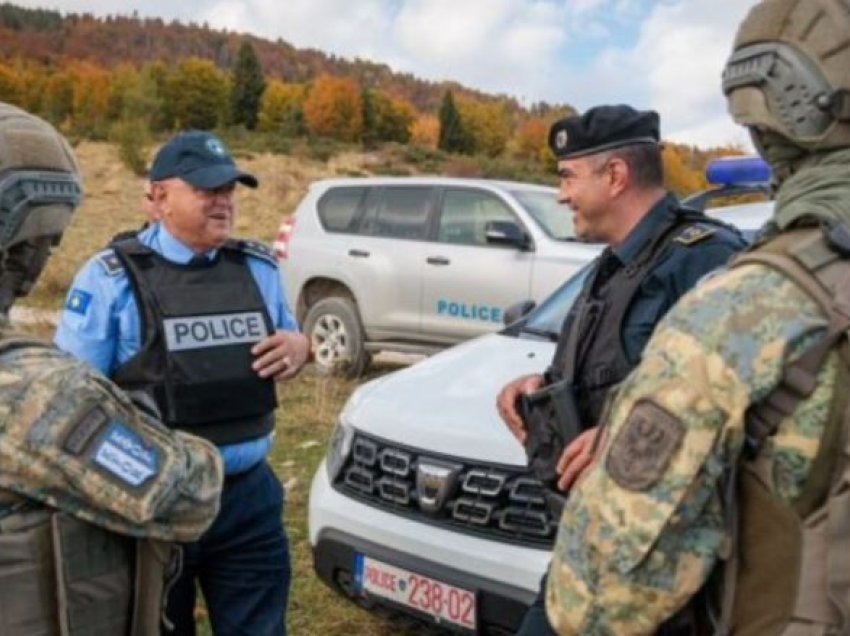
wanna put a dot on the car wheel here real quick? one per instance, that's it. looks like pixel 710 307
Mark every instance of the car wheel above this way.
pixel 336 337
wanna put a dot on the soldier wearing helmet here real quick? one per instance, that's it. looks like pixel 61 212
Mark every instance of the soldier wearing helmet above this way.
pixel 92 488
pixel 719 499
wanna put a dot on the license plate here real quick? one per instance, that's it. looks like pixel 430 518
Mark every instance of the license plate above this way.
pixel 442 601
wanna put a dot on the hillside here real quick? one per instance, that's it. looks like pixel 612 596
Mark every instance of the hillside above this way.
pixel 136 81
pixel 113 195
pixel 49 37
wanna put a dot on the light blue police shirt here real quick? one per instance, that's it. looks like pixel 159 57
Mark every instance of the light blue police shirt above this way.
pixel 100 322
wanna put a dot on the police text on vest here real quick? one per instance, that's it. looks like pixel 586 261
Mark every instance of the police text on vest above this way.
pixel 215 330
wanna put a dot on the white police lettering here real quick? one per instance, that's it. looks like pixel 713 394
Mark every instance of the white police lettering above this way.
pixel 469 311
pixel 217 330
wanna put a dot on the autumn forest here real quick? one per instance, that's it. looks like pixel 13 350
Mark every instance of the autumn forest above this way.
pixel 133 81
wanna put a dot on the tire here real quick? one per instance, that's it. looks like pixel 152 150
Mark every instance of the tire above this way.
pixel 336 337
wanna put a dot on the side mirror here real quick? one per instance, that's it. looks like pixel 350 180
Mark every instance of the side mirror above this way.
pixel 517 311
pixel 506 233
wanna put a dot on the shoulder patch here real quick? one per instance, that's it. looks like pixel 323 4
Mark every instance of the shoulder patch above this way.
pixel 84 431
pixel 644 447
pixel 78 301
pixel 123 455
pixel 110 263
pixel 256 249
pixel 694 234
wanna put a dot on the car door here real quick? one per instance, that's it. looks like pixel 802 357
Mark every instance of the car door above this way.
pixel 466 281
pixel 387 253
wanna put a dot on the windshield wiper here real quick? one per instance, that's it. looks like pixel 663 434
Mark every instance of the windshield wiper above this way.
pixel 542 333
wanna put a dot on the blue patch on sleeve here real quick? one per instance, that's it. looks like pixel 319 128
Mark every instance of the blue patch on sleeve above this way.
pixel 123 454
pixel 78 301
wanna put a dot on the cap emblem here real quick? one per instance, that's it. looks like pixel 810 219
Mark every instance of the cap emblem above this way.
pixel 561 139
pixel 216 147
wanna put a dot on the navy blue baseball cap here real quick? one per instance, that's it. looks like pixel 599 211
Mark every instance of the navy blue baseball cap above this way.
pixel 603 128
pixel 200 159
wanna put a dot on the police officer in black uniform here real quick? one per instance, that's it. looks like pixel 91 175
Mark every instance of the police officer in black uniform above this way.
pixel 609 163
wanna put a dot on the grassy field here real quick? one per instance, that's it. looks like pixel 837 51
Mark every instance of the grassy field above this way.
pixel 309 403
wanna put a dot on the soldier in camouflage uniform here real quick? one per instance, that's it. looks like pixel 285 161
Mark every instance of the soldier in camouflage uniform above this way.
pixel 91 487
pixel 718 502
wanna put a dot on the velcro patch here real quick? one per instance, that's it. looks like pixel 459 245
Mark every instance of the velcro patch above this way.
pixel 694 234
pixel 78 301
pixel 84 430
pixel 123 454
pixel 644 447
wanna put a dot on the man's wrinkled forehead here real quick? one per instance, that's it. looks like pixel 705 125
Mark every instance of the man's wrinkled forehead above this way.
pixel 576 166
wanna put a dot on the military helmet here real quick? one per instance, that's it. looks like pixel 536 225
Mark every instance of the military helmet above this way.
pixel 39 190
pixel 789 72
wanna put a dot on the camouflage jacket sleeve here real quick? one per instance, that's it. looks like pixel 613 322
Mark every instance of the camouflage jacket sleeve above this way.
pixel 70 439
pixel 643 530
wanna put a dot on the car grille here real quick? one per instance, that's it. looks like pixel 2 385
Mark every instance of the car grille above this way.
pixel 497 502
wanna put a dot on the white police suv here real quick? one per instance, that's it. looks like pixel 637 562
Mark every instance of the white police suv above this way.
pixel 418 264
pixel 423 502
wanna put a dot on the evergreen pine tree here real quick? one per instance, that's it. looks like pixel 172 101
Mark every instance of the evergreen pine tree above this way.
pixel 370 117
pixel 453 137
pixel 248 86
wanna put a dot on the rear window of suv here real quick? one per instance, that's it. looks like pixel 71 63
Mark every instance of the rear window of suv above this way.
pixel 553 217
pixel 401 212
pixel 338 208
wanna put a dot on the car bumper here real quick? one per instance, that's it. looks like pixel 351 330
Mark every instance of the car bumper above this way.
pixel 504 577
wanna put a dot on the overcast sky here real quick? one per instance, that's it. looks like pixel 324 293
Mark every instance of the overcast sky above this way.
pixel 660 54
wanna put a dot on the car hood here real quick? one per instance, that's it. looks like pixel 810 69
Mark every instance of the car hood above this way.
pixel 447 403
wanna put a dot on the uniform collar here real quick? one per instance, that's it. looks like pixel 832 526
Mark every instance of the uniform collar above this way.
pixel 646 229
pixel 164 243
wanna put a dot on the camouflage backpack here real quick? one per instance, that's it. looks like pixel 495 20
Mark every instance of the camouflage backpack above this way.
pixel 787 570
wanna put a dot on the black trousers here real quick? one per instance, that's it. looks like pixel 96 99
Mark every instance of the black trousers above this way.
pixel 241 562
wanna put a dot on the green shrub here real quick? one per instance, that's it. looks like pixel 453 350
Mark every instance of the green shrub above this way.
pixel 132 137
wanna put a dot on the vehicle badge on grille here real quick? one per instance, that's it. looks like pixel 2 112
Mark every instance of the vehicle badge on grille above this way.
pixel 434 483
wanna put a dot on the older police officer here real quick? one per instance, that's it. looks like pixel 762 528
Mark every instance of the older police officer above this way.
pixel 83 472
pixel 200 323
pixel 609 162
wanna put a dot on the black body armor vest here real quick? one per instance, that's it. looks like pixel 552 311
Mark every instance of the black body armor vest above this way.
pixel 198 324
pixel 590 352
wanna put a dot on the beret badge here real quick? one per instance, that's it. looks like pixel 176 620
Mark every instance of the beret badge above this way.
pixel 561 139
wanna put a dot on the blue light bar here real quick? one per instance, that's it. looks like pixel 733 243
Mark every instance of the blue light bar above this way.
pixel 729 171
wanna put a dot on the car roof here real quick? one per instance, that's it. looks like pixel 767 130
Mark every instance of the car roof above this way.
pixel 499 184
pixel 745 216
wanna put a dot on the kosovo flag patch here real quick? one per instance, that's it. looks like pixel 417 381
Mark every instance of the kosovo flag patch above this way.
pixel 78 301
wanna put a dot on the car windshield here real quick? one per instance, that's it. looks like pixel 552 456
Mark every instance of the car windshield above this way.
pixel 546 319
pixel 553 218
pixel 747 217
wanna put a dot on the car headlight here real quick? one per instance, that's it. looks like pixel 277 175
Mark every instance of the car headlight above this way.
pixel 339 446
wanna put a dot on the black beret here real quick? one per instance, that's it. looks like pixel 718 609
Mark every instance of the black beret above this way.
pixel 603 128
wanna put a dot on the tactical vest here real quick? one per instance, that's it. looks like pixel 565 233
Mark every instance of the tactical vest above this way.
pixel 61 576
pixel 590 351
pixel 198 324
pixel 787 570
